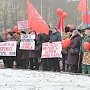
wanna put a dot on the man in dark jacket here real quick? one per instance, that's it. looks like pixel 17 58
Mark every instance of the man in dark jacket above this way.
pixel 54 37
pixel 45 62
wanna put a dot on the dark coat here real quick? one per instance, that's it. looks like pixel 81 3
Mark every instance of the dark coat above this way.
pixel 76 42
pixel 18 52
pixel 1 39
pixel 55 37
pixel 10 38
pixel 24 54
pixel 37 52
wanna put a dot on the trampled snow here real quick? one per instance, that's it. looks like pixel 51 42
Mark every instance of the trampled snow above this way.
pixel 37 80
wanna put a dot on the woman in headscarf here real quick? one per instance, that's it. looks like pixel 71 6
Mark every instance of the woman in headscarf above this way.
pixel 73 53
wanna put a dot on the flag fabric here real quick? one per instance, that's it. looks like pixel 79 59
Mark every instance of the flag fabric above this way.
pixel 86 18
pixel 60 25
pixel 82 6
pixel 35 21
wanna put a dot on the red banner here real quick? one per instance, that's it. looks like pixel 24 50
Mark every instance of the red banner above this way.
pixel 61 25
pixel 86 18
pixel 35 21
pixel 82 6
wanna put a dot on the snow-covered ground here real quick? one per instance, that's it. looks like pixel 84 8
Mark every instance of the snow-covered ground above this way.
pixel 38 80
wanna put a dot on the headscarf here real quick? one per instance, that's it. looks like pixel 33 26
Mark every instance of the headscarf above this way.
pixel 75 32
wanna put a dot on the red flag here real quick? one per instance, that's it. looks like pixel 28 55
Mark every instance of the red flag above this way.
pixel 58 26
pixel 82 6
pixel 86 18
pixel 61 25
pixel 35 21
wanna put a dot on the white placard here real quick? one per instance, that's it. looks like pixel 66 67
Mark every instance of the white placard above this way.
pixel 27 42
pixel 27 37
pixel 8 48
pixel 27 45
pixel 51 50
pixel 22 25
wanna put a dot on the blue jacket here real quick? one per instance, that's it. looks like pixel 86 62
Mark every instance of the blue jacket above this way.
pixel 55 37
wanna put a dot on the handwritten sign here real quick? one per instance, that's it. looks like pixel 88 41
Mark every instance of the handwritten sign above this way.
pixel 22 25
pixel 28 45
pixel 27 42
pixel 8 48
pixel 27 37
pixel 51 50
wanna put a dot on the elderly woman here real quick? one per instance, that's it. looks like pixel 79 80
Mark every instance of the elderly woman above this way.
pixel 73 53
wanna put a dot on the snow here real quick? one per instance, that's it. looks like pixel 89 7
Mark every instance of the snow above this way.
pixel 11 79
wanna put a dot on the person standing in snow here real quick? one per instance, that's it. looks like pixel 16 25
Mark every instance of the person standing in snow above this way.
pixel 34 54
pixel 73 53
pixel 8 60
pixel 86 53
pixel 1 40
pixel 66 34
pixel 54 37
pixel 24 57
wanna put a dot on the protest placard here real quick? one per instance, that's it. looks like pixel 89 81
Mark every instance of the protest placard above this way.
pixel 22 25
pixel 27 45
pixel 27 42
pixel 8 48
pixel 51 50
pixel 27 37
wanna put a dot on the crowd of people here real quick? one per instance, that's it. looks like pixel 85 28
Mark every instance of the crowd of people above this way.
pixel 75 58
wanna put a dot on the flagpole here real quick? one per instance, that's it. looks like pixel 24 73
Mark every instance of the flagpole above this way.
pixel 80 25
pixel 41 8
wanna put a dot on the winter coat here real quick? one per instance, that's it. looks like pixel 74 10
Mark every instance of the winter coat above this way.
pixel 85 39
pixel 86 54
pixel 37 52
pixel 18 51
pixel 76 42
pixel 24 54
pixel 10 38
pixel 44 38
pixel 1 39
pixel 55 37
pixel 65 36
